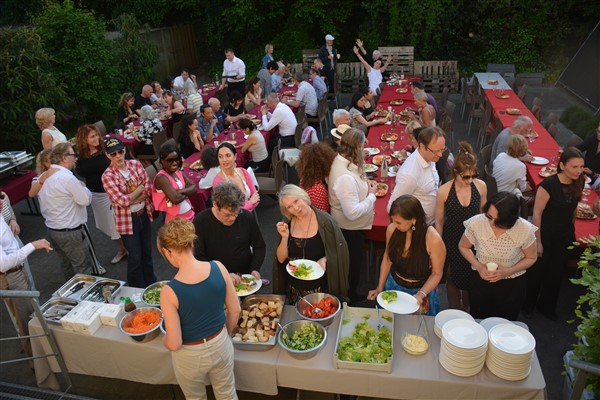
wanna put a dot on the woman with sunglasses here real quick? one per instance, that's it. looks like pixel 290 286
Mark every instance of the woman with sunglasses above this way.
pixel 171 188
pixel 505 245
pixel 554 214
pixel 458 200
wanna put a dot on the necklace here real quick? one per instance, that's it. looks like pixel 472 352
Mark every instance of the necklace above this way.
pixel 301 242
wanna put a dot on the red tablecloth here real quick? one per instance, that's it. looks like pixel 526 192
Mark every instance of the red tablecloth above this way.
pixel 389 92
pixel 207 94
pixel 17 185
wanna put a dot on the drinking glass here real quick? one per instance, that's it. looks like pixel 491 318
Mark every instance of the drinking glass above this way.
pixel 392 143
pixel 384 146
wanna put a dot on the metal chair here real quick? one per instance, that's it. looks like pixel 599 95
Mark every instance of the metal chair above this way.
pixel 484 160
pixel 101 127
pixel 322 112
pixel 573 141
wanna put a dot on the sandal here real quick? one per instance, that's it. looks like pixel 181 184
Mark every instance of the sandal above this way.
pixel 118 257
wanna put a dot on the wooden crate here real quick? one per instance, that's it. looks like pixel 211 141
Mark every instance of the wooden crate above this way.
pixel 403 58
pixel 438 74
pixel 308 57
pixel 350 77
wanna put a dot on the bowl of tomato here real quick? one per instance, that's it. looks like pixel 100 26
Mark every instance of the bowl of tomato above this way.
pixel 328 304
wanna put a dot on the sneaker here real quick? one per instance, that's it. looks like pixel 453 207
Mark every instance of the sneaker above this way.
pixel 118 257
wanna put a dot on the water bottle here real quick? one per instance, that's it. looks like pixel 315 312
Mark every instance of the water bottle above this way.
pixel 401 72
pixel 384 169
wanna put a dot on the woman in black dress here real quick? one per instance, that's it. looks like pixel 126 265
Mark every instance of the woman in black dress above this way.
pixel 458 200
pixel 553 213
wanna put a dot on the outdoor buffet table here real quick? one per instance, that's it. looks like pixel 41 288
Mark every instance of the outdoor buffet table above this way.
pixel 17 185
pixel 111 354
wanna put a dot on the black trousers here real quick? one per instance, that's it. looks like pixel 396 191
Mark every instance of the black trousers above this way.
pixel 499 299
pixel 356 242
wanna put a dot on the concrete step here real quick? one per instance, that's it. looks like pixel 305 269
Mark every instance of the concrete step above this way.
pixel 11 391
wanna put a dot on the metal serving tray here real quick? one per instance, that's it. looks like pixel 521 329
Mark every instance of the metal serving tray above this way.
pixel 94 292
pixel 65 290
pixel 248 302
pixel 57 307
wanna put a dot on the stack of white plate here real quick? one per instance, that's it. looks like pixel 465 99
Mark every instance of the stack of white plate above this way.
pixel 511 351
pixel 491 322
pixel 464 347
pixel 447 315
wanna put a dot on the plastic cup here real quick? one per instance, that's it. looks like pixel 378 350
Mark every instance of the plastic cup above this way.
pixel 216 143
pixel 492 266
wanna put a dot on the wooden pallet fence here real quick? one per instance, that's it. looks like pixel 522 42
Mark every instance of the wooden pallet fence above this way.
pixel 438 74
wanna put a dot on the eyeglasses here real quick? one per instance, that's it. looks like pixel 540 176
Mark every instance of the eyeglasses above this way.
pixel 467 177
pixel 227 214
pixel 440 152
pixel 114 153
pixel 172 160
pixel 71 155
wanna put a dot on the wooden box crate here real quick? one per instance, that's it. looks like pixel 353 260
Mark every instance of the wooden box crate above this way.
pixel 438 74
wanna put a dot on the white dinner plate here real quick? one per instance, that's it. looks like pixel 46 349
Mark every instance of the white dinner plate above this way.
pixel 539 161
pixel 251 289
pixel 372 150
pixel 464 333
pixel 317 270
pixel 448 315
pixel 370 168
pixel 588 180
pixel 512 339
pixel 404 304
pixel 491 322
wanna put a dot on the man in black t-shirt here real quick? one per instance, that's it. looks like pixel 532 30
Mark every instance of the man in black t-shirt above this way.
pixel 143 99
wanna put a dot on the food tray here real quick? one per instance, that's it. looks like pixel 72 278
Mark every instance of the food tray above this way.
pixel 249 301
pixel 88 280
pixel 350 317
pixel 94 292
pixel 57 304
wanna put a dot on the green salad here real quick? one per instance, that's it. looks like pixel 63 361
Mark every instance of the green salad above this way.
pixel 305 338
pixel 366 345
pixel 152 296
pixel 302 270
pixel 389 296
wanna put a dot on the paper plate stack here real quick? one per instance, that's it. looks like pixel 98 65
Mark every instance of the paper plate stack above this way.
pixel 464 347
pixel 447 315
pixel 511 352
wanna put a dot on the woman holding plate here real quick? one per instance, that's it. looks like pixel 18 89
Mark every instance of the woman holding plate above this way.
pixel 356 114
pixel 309 233
pixel 414 256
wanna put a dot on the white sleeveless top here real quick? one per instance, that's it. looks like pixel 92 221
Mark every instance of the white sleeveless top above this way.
pixel 57 136
pixel 259 149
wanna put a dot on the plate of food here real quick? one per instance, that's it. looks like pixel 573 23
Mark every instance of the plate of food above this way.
pixel 307 270
pixel 584 211
pixel 405 120
pixel 502 95
pixel 539 161
pixel 256 121
pixel 382 189
pixel 381 113
pixel 389 136
pixel 370 168
pixel 532 133
pixel 289 93
pixel 377 160
pixel 251 116
pixel 513 111
pixel 397 302
pixel 371 150
pixel 492 81
pixel 393 170
pixel 404 113
pixel 396 102
pixel 196 165
pixel 588 179
pixel 401 154
pixel 248 285
pixel 402 90
pixel 548 171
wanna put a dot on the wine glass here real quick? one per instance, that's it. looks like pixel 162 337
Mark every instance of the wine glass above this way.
pixel 384 146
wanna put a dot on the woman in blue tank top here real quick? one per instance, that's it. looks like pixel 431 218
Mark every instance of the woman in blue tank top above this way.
pixel 197 328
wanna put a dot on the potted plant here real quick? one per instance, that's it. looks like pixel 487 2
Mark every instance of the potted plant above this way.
pixel 587 310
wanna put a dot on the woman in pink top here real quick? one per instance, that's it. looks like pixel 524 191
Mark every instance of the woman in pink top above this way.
pixel 240 177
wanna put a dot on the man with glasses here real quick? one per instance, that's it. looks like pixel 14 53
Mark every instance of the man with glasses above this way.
pixel 418 175
pixel 63 203
pixel 129 190
pixel 521 126
pixel 228 233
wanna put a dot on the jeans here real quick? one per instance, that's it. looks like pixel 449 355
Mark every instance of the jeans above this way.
pixel 140 272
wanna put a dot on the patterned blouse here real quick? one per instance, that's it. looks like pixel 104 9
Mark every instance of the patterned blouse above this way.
pixel 149 128
pixel 319 196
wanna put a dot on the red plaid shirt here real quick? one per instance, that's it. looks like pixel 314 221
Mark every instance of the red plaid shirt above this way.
pixel 118 192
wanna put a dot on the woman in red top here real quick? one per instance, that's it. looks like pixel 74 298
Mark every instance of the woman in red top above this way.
pixel 313 168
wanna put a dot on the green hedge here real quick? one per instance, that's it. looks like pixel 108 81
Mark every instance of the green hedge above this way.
pixel 582 122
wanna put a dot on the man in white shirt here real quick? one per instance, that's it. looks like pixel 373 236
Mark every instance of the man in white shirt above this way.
pixel 63 201
pixel 306 94
pixel 234 73
pixel 418 175
pixel 282 117
pixel 185 80
pixel 12 275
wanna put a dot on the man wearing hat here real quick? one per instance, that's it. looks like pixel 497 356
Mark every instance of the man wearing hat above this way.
pixel 329 56
pixel 129 190
pixel 336 135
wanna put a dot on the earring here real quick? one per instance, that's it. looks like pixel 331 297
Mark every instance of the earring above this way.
pixel 414 228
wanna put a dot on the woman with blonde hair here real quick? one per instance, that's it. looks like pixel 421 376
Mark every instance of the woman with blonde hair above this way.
pixel 509 171
pixel 426 111
pixel 458 200
pixel 197 329
pixel 268 55
pixel 42 167
pixel 51 136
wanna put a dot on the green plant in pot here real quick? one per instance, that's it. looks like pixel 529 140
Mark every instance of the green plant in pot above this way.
pixel 588 310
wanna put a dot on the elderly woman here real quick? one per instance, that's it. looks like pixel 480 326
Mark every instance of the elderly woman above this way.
pixel 255 144
pixel 509 171
pixel 458 200
pixel 91 164
pixel 374 73
pixel 151 125
pixel 127 185
pixel 356 114
pixel 197 328
pixel 412 129
pixel 268 55
pixel 309 233
pixel 175 109
pixel 352 201
pixel 253 94
pixel 190 138
pixel 554 213
pixel 313 166
pixel 239 176
pixel 171 187
pixel 414 256
pixel 51 136
pixel 426 111
pixel 125 112
pixel 505 246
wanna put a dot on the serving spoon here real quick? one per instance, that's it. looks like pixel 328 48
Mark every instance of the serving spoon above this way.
pixel 317 309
